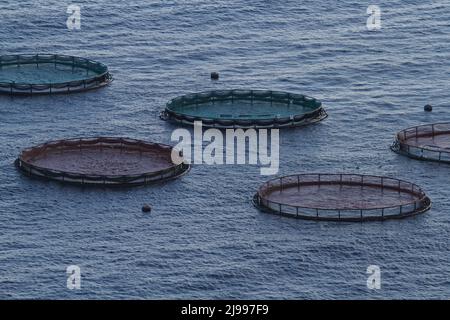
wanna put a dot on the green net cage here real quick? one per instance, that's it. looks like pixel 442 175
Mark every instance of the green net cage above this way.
pixel 341 197
pixel 244 109
pixel 108 161
pixel 50 73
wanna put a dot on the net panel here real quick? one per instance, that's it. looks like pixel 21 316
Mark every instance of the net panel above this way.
pixel 244 109
pixel 101 161
pixel 46 74
pixel 426 142
pixel 341 197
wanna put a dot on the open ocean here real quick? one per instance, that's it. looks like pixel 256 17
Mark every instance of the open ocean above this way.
pixel 204 239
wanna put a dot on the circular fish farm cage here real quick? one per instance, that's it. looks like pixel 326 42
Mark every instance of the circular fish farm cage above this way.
pixel 341 197
pixel 47 74
pixel 101 161
pixel 429 142
pixel 244 109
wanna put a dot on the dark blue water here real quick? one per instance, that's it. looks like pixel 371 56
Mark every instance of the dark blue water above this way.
pixel 204 239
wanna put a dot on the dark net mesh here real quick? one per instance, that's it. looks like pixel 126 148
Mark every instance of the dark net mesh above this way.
pixel 45 74
pixel 244 109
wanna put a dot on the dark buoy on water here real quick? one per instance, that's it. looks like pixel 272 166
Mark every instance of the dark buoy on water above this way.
pixel 428 108
pixel 214 75
pixel 146 208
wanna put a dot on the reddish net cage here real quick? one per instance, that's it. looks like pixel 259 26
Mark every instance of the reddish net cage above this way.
pixel 341 197
pixel 101 161
pixel 426 142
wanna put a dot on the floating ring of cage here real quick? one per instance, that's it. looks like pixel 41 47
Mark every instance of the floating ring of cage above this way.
pixel 244 109
pixel 425 142
pixel 341 197
pixel 50 73
pixel 101 161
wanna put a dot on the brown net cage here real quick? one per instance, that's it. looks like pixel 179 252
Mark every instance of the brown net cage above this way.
pixel 341 197
pixel 101 161
pixel 426 142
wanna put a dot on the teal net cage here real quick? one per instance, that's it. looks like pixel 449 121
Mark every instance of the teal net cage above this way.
pixel 429 142
pixel 341 197
pixel 244 109
pixel 107 161
pixel 50 73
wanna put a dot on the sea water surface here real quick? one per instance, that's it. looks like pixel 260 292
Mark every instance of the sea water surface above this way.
pixel 204 239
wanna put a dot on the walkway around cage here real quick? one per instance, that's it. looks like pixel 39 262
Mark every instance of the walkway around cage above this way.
pixel 119 152
pixel 411 200
pixel 175 110
pixel 97 74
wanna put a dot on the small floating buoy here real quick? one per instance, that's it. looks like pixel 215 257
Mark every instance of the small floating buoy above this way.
pixel 214 75
pixel 428 108
pixel 146 208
